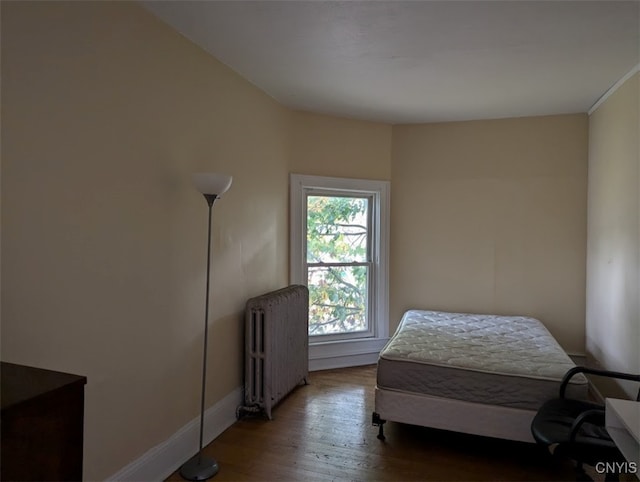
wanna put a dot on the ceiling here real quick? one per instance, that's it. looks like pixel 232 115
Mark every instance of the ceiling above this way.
pixel 419 61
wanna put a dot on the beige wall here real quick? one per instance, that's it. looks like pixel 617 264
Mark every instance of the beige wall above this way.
pixel 613 261
pixel 329 146
pixel 106 112
pixel 490 216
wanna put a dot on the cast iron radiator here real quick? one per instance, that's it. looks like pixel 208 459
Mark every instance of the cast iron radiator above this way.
pixel 276 347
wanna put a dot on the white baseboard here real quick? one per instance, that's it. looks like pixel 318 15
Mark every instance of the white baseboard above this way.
pixel 161 461
pixel 347 353
pixel 343 361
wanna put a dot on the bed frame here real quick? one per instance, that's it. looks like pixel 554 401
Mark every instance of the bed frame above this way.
pixel 449 414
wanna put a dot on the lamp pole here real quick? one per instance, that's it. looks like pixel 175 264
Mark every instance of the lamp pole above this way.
pixel 200 466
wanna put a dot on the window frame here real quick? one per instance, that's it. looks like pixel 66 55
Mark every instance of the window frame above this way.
pixel 323 347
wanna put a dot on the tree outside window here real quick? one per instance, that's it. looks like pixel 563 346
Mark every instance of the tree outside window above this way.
pixel 338 263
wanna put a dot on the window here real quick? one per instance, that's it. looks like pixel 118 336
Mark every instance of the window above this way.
pixel 339 249
pixel 339 264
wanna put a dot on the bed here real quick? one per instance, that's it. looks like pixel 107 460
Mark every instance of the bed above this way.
pixel 472 373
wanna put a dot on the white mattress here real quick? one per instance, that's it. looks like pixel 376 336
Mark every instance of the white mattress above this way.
pixel 511 361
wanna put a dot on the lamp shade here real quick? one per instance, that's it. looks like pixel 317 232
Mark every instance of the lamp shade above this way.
pixel 212 183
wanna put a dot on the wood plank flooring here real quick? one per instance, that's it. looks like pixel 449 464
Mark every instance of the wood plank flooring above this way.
pixel 323 432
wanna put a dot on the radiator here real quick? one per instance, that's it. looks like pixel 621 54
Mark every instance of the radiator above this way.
pixel 276 347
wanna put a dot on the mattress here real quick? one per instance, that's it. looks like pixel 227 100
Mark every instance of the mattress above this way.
pixel 511 361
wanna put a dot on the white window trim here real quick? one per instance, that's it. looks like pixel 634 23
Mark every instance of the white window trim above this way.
pixel 353 351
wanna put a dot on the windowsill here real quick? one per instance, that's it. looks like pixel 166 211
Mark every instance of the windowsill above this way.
pixel 321 341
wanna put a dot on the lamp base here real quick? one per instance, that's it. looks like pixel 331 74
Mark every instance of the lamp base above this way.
pixel 199 467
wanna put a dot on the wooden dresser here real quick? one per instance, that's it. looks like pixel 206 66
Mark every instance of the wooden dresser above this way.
pixel 42 424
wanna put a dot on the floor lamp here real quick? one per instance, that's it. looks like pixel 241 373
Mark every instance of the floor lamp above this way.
pixel 212 186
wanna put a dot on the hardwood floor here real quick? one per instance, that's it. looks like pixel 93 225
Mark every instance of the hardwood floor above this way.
pixel 323 431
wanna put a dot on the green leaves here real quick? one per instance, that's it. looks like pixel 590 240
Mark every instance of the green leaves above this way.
pixel 337 229
pixel 337 258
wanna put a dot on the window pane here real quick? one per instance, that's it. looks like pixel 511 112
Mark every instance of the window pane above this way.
pixel 337 229
pixel 337 299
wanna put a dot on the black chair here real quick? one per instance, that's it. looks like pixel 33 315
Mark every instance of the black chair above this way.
pixel 576 428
